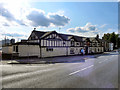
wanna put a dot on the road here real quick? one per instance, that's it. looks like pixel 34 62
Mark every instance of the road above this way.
pixel 99 72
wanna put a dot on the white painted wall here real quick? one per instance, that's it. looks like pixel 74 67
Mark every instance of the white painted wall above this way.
pixel 95 49
pixel 56 52
pixel 7 49
pixel 110 46
pixel 34 50
pixel 28 50
pixel 76 50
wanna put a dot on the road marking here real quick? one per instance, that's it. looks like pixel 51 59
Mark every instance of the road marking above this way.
pixel 81 70
pixel 104 60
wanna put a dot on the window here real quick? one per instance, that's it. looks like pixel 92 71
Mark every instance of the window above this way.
pixel 98 49
pixel 44 42
pixel 16 48
pixel 72 51
pixel 77 43
pixel 61 43
pixel 13 48
pixel 47 42
pixel 58 43
pixel 55 43
pixel 51 43
pixel 98 44
pixel 64 43
pixel 49 49
pixel 93 44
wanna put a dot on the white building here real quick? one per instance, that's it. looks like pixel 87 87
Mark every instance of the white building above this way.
pixel 49 44
pixel 110 46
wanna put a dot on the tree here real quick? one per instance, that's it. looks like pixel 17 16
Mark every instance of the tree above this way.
pixel 106 36
pixel 112 37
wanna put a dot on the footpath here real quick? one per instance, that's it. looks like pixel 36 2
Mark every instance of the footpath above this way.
pixel 61 59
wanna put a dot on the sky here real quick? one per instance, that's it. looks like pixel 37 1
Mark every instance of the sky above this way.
pixel 19 17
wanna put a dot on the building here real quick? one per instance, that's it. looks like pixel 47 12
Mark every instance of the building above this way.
pixel 6 45
pixel 49 44
pixel 7 42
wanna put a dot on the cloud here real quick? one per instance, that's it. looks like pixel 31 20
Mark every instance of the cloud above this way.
pixel 58 20
pixel 104 25
pixel 14 34
pixel 31 16
pixel 87 28
pixel 72 30
pixel 6 24
pixel 5 13
pixel 38 18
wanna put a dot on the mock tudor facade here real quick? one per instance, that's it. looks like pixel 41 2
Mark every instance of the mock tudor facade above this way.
pixel 50 44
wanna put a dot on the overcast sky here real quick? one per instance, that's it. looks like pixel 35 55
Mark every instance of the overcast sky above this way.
pixel 19 17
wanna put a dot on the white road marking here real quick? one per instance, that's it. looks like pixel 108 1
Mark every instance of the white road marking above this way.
pixel 104 60
pixel 81 70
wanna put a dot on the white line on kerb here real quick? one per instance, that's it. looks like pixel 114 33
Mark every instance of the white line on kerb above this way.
pixel 81 70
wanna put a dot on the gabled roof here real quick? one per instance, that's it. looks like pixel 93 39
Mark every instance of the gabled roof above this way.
pixel 65 36
pixel 93 38
pixel 79 39
pixel 41 35
pixel 68 37
pixel 48 33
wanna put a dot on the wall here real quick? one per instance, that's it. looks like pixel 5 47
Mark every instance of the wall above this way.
pixel 57 51
pixel 7 49
pixel 28 50
pixel 95 49
pixel 34 50
pixel 76 50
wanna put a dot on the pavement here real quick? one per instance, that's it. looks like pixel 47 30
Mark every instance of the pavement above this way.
pixel 61 59
pixel 98 72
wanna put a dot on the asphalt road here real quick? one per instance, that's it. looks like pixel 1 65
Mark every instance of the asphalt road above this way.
pixel 99 72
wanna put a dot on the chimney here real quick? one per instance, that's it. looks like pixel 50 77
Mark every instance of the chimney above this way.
pixel 34 29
